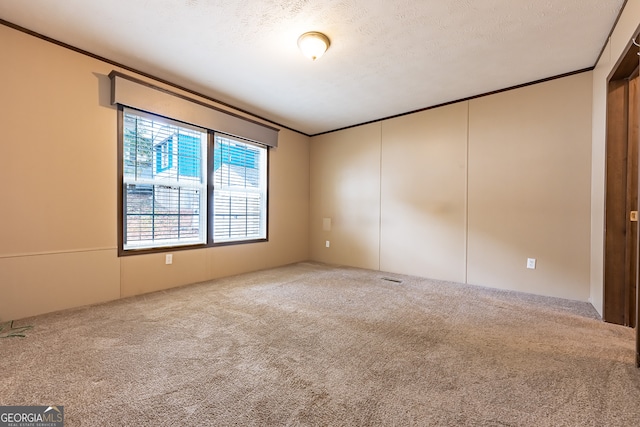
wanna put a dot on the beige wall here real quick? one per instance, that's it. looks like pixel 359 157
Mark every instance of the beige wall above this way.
pixel 424 161
pixel 467 191
pixel 345 188
pixel 479 203
pixel 529 192
pixel 58 242
pixel 622 34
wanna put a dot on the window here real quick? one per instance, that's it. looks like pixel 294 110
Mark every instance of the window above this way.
pixel 164 195
pixel 239 190
pixel 164 155
pixel 173 196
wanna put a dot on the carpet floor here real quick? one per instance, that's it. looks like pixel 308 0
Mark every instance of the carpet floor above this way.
pixel 314 345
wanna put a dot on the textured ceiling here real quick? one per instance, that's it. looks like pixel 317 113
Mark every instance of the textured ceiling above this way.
pixel 386 57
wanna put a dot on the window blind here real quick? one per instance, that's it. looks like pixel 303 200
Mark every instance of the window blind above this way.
pixel 239 190
pixel 164 194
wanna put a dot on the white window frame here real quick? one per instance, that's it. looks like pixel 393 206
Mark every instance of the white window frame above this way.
pixel 206 187
pixel 239 191
pixel 154 182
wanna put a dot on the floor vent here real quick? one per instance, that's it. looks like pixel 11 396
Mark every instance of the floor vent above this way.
pixel 391 279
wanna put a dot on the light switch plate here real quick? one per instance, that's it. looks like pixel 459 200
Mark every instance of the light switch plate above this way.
pixel 531 263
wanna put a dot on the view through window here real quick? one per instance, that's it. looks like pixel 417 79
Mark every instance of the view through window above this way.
pixel 170 197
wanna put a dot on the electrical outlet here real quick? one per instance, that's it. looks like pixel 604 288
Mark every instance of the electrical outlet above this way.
pixel 168 259
pixel 531 263
pixel 327 244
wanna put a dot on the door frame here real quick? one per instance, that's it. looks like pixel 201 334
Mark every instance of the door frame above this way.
pixel 624 68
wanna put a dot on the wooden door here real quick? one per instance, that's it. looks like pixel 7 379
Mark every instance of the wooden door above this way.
pixel 621 231
pixel 632 202
pixel 631 261
pixel 634 135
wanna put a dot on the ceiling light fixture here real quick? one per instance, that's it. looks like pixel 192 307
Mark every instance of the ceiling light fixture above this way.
pixel 313 44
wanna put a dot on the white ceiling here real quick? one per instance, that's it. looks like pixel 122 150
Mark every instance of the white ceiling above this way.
pixel 386 57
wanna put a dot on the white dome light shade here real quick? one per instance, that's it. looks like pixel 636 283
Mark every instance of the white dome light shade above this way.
pixel 313 44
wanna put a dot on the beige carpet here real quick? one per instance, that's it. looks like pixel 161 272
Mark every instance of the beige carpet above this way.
pixel 315 345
